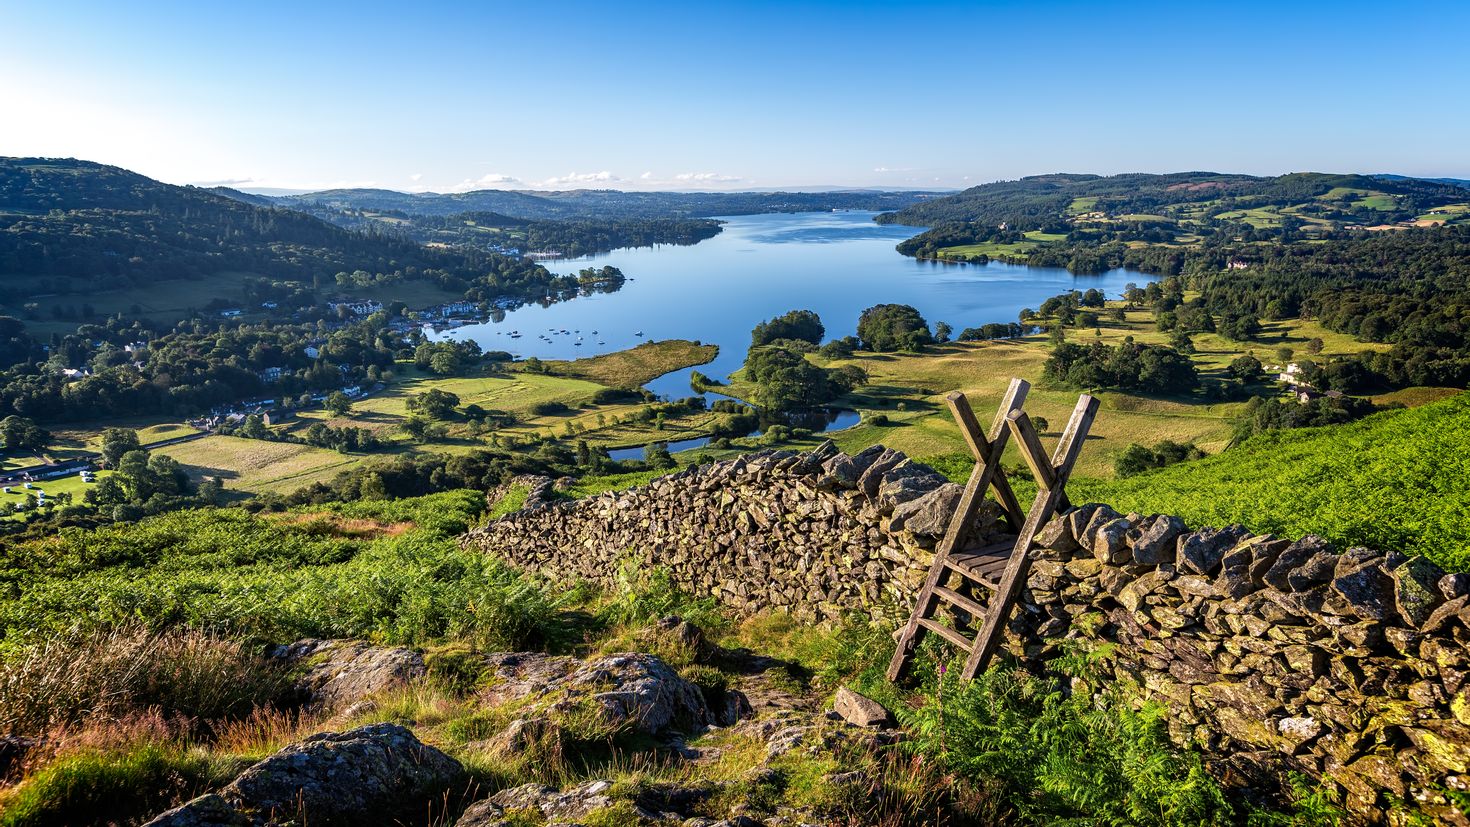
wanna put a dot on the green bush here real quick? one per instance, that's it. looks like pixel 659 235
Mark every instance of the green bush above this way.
pixel 1084 756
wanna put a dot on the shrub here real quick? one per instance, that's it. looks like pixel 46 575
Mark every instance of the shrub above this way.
pixel 1063 756
pixel 550 408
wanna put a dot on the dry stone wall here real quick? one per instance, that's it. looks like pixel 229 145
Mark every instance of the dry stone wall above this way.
pixel 1274 654
pixel 817 534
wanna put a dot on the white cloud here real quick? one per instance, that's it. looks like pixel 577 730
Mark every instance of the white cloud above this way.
pixel 707 177
pixel 893 169
pixel 646 176
pixel 488 181
pixel 574 180
pixel 416 176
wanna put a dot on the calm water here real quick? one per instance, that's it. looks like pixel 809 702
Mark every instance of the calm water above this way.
pixel 761 266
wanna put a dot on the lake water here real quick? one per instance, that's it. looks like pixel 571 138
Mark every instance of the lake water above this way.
pixel 761 266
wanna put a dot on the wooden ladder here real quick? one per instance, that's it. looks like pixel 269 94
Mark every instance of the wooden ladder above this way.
pixel 1001 567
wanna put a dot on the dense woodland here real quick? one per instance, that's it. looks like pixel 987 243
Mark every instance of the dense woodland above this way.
pixel 77 227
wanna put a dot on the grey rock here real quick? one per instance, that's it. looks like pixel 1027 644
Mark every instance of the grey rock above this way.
pixel 1298 553
pixel 1201 552
pixel 373 773
pixel 929 514
pixel 631 692
pixel 859 710
pixel 1369 593
pixel 342 672
pixel 1416 589
pixel 1057 535
pixel 1110 542
pixel 1454 585
pixel 209 810
pixel 1158 542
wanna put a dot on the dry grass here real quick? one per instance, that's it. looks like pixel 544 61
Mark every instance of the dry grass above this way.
pixel 636 366
pixel 106 677
pixel 256 466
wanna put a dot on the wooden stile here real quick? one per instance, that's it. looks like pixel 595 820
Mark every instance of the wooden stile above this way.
pixel 1002 567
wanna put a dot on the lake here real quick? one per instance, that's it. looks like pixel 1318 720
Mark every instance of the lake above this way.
pixel 761 266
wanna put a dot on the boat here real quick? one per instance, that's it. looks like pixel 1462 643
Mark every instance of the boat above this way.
pixel 638 333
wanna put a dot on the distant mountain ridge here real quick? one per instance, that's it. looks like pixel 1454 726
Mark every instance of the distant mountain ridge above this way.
pixel 569 204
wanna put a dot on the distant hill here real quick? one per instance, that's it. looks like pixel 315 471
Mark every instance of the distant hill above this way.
pixel 70 226
pixel 601 204
pixel 1015 219
pixel 1394 480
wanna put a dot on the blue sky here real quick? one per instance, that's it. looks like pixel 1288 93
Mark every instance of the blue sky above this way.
pixel 446 96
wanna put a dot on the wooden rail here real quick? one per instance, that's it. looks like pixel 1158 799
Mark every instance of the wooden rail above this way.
pixel 999 569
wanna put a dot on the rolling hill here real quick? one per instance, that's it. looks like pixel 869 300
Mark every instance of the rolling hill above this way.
pixel 1399 479
pixel 77 227
pixel 1012 219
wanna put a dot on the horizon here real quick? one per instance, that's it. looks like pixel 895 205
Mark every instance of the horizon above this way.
pixel 758 97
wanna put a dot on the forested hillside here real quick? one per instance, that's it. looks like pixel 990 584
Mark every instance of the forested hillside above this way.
pixel 1175 203
pixel 69 226
pixel 1395 480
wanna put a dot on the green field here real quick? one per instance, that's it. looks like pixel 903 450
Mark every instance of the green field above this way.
pixel 909 389
pixel 72 485
pixel 255 466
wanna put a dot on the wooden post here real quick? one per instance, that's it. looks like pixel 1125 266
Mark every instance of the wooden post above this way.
pixel 984 475
pixel 1051 477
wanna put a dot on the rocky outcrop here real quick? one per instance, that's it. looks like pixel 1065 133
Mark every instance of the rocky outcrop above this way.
pixel 613 695
pixel 816 534
pixel 1274 654
pixel 375 774
pixel 335 673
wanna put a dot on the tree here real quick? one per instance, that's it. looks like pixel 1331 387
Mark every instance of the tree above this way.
pixel 338 403
pixel 116 442
pixel 1245 368
pixel 21 435
pixel 434 403
pixel 889 327
pixel 1314 345
pixel 942 332
pixel 801 325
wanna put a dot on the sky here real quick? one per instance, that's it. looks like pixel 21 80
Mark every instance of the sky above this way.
pixel 437 96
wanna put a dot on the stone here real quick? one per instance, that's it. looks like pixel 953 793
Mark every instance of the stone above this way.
pixel 375 773
pixel 484 813
pixel 872 477
pixel 1057 535
pixel 1317 570
pixel 929 514
pixel 1416 589
pixel 628 692
pixel 1454 585
pixel 1109 542
pixel 1201 551
pixel 1292 558
pixel 1159 541
pixel 859 710
pixel 1298 731
pixel 341 672
pixel 209 810
pixel 1369 592
pixel 523 733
